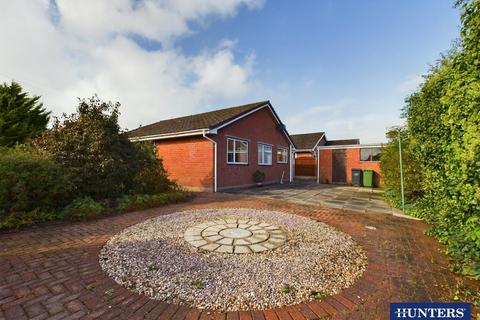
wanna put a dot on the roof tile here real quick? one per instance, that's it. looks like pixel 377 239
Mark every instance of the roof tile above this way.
pixel 306 140
pixel 206 120
pixel 343 142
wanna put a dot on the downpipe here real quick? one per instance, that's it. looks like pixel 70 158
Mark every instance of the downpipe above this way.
pixel 214 160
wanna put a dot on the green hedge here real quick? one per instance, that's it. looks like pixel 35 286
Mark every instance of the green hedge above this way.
pixel 31 181
pixel 443 134
pixel 139 202
pixel 87 208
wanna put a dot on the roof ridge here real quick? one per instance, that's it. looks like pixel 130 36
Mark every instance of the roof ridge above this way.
pixel 344 139
pixel 299 134
pixel 239 106
pixel 254 105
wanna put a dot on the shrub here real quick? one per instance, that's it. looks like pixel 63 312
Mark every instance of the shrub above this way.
pixel 101 159
pixel 152 177
pixel 139 202
pixel 85 208
pixel 412 171
pixel 82 208
pixel 258 176
pixel 20 219
pixel 30 181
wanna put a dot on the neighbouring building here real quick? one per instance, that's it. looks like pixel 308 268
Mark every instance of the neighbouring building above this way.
pixel 332 161
pixel 222 149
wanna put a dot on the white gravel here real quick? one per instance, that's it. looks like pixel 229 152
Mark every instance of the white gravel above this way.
pixel 152 258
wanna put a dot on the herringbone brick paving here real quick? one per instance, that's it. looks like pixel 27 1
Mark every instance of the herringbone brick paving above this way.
pixel 51 271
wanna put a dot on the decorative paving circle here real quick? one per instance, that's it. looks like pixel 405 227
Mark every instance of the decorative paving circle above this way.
pixel 235 236
pixel 311 259
pixel 236 233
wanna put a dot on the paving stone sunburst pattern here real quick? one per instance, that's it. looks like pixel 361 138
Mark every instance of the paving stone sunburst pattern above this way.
pixel 235 236
pixel 189 258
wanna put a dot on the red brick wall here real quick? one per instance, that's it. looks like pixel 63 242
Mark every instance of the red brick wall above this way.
pixel 260 126
pixel 325 166
pixel 352 162
pixel 188 160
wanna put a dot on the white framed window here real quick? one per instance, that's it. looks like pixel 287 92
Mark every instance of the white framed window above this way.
pixel 282 155
pixel 237 151
pixel 370 154
pixel 264 154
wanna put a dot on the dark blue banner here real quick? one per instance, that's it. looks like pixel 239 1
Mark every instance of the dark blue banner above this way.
pixel 429 310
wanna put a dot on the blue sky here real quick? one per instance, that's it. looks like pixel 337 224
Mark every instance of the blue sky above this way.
pixel 362 57
pixel 340 66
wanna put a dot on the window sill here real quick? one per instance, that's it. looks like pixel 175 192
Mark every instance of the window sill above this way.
pixel 264 164
pixel 238 163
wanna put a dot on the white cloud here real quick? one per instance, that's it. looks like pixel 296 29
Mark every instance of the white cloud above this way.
pixel 410 84
pixel 89 50
pixel 219 75
pixel 159 20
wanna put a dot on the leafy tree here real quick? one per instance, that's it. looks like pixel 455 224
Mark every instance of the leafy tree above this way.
pixel 101 159
pixel 21 117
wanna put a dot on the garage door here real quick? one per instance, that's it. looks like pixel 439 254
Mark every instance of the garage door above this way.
pixel 339 174
pixel 305 166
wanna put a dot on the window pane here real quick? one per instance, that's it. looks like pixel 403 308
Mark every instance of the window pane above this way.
pixel 240 146
pixel 376 154
pixel 370 154
pixel 260 154
pixel 264 153
pixel 268 157
pixel 237 151
pixel 267 154
pixel 282 155
pixel 364 154
pixel 241 157
pixel 230 143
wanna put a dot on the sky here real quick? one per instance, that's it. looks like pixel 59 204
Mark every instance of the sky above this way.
pixel 340 66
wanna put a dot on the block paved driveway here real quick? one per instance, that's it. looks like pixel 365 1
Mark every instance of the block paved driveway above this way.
pixel 327 195
pixel 52 271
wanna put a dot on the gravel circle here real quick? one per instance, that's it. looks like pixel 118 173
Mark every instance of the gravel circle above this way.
pixel 153 258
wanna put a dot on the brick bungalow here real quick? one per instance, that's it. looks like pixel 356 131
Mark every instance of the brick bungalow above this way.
pixel 332 161
pixel 222 149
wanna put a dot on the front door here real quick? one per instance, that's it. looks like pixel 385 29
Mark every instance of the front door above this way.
pixel 339 171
